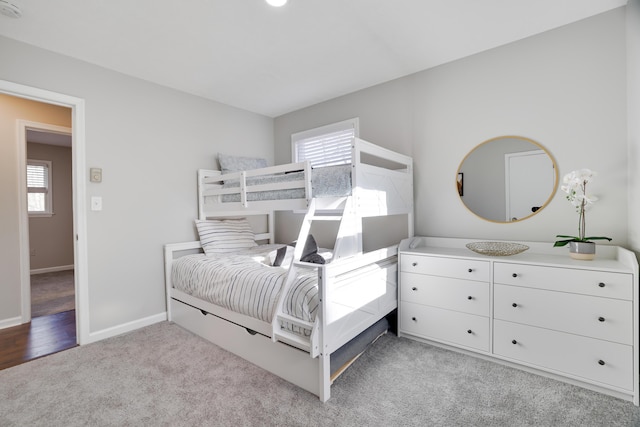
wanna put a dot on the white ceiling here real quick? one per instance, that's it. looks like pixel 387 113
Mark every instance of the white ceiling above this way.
pixel 272 61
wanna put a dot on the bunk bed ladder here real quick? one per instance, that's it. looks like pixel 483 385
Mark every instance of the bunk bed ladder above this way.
pixel 348 242
pixel 334 213
pixel 280 317
pixel 280 333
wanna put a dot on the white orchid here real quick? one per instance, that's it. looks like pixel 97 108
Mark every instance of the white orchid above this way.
pixel 575 185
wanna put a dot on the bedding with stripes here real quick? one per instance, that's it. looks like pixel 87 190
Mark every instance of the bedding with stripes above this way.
pixel 244 283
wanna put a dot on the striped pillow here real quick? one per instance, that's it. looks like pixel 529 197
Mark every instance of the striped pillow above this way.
pixel 225 235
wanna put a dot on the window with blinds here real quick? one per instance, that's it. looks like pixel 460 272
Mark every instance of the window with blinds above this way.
pixel 327 145
pixel 39 194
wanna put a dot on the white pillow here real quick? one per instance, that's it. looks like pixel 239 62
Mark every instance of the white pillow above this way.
pixel 220 236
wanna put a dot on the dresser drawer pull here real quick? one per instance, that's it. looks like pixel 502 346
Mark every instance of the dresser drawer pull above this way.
pixel 414 319
pixel 469 331
pixel 469 297
pixel 514 342
pixel 514 305
pixel 414 289
pixel 470 270
pixel 514 275
pixel 600 319
pixel 414 264
pixel 601 362
pixel 601 284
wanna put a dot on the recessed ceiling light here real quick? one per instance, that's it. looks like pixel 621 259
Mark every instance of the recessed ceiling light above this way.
pixel 277 3
pixel 10 9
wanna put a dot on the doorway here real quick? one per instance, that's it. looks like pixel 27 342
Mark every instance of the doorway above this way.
pixel 50 208
pixel 78 202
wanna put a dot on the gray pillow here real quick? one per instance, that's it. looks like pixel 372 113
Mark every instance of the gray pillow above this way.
pixel 310 252
pixel 230 163
pixel 280 254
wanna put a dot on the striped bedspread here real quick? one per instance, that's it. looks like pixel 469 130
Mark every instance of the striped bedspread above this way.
pixel 241 282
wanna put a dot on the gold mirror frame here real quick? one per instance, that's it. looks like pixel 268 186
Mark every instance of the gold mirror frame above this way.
pixel 470 184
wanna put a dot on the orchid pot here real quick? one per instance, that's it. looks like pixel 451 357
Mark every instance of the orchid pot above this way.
pixel 585 251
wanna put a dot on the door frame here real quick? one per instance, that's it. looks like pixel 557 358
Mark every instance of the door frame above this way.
pixel 77 106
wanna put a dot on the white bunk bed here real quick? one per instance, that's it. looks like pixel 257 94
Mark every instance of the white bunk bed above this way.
pixel 355 289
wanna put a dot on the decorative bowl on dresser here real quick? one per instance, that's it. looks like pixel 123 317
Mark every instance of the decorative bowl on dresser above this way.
pixel 539 310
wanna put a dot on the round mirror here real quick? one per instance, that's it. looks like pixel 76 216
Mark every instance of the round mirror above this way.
pixel 506 179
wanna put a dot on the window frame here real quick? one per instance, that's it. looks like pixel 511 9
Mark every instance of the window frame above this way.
pixel 48 193
pixel 318 132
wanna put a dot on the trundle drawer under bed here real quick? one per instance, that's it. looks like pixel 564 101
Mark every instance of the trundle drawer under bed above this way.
pixel 287 362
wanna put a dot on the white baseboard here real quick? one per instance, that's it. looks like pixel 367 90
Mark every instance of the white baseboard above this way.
pixel 52 269
pixel 7 323
pixel 126 327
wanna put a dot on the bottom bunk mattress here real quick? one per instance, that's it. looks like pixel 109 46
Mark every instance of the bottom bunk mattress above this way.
pixel 244 283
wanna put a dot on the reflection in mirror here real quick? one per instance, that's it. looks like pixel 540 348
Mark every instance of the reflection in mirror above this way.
pixel 506 179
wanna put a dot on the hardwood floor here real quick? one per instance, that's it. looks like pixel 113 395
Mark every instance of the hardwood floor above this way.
pixel 42 336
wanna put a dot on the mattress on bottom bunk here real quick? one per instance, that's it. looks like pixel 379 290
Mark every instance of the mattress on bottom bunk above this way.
pixel 243 283
pixel 328 181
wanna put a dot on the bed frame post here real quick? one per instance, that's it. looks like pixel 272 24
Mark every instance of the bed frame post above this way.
pixel 201 200
pixel 168 263
pixel 324 365
pixel 325 381
pixel 271 226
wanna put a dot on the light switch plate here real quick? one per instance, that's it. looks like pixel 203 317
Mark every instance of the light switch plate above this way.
pixel 96 203
pixel 95 174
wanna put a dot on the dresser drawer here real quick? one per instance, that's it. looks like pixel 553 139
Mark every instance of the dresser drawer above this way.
pixel 446 267
pixel 451 327
pixel 594 317
pixel 454 294
pixel 586 358
pixel 588 282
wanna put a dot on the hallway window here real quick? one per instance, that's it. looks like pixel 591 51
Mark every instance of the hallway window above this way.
pixel 39 194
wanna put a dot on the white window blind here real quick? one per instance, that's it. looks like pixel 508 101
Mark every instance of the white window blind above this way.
pixel 39 186
pixel 327 145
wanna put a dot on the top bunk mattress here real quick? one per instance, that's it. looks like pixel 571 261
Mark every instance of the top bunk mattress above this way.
pixel 327 181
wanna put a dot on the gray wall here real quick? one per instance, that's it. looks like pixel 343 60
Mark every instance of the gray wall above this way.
pixel 51 238
pixel 633 115
pixel 564 89
pixel 149 141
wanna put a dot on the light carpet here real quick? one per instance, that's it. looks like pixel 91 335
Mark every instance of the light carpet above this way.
pixel 163 375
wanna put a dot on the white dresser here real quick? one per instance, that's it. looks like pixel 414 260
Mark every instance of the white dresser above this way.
pixel 540 310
